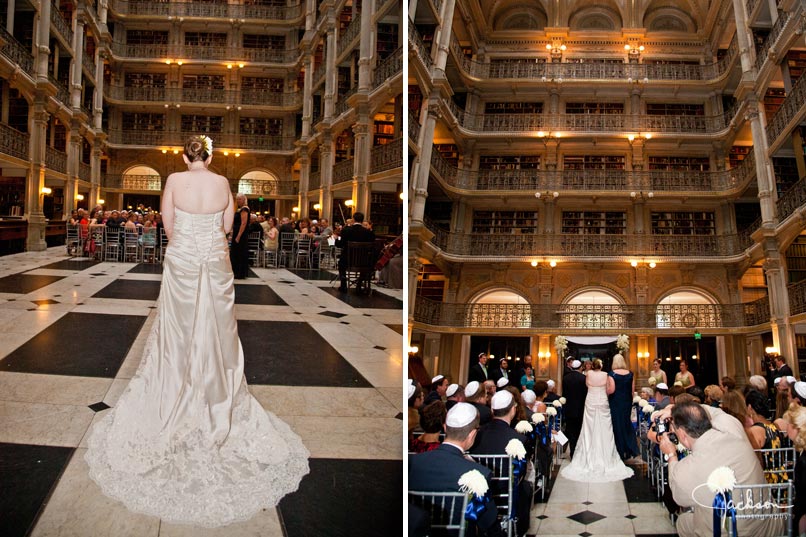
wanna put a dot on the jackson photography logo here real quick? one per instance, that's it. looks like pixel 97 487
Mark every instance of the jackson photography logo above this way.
pixel 747 502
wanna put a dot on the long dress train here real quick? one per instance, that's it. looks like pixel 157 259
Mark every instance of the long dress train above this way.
pixel 187 442
pixel 596 459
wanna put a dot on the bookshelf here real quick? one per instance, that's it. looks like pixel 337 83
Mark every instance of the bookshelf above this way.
pixel 449 152
pixel 773 100
pixel 431 283
pixel 12 194
pixel 17 110
pixel 260 83
pixel 383 130
pixel 144 80
pixel 344 147
pixel 594 108
pixel 59 136
pixel 693 164
pixel 504 222
pixel 786 173
pixel 796 260
pixel 594 162
pixel 143 121
pixel 595 60
pixel 513 108
pixel 343 80
pixel 209 82
pixel 202 123
pixel 796 61
pixel 509 162
pixel 675 109
pixel 345 17
pixel 594 222
pixel 651 61
pixel 387 40
pixel 264 126
pixel 387 213
pixel 271 42
pixel 415 98
pixel 205 39
pixel 683 223
pixel 738 153
pixel 146 37
pixel 86 151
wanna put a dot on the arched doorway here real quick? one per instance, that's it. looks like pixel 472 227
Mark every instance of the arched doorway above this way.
pixel 142 186
pixel 259 186
pixel 487 309
pixel 593 308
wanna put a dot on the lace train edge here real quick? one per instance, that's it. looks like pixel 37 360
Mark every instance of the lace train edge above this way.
pixel 587 476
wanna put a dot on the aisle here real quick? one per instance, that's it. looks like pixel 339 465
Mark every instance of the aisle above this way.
pixel 620 508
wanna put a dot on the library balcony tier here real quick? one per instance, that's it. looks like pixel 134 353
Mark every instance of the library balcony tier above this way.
pixel 154 182
pixel 55 160
pixel 14 143
pixel 200 53
pixel 15 53
pixel 528 181
pixel 388 68
pixel 134 9
pixel 343 171
pixel 161 138
pixel 791 113
pixel 387 156
pixel 61 26
pixel 204 96
pixel 582 318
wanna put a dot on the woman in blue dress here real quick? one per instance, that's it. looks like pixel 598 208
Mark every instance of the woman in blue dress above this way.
pixel 620 407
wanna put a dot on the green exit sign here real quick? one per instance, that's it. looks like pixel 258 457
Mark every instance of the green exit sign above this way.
pixel 697 335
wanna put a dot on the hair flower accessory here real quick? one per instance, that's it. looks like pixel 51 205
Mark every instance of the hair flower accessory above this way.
pixel 649 409
pixel 623 342
pixel 562 400
pixel 557 403
pixel 551 411
pixel 515 449
pixel 524 427
pixel 538 417
pixel 473 482
pixel 208 144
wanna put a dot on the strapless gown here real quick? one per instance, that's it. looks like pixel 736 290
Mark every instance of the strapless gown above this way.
pixel 187 442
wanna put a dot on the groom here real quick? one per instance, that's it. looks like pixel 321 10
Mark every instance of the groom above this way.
pixel 575 390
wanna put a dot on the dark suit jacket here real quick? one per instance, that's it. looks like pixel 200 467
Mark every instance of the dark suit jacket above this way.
pixel 492 439
pixel 485 414
pixel 439 470
pixel 785 371
pixel 496 373
pixel 551 397
pixel 354 233
pixel 575 391
pixel 431 397
pixel 477 373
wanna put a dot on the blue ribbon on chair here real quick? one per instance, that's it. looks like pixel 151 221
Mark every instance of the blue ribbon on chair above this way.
pixel 723 506
pixel 543 431
pixel 518 471
pixel 476 507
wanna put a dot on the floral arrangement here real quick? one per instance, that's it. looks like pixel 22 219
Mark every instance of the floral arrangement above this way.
pixel 623 342
pixel 551 411
pixel 208 144
pixel 652 381
pixel 562 400
pixel 538 417
pixel 643 402
pixel 678 383
pixel 515 449
pixel 721 480
pixel 557 404
pixel 473 482
pixel 636 400
pixel 561 344
pixel 524 427
pixel 649 409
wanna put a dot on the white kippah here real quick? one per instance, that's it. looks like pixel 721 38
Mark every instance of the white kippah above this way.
pixel 661 386
pixel 451 390
pixel 576 364
pixel 800 388
pixel 501 400
pixel 550 383
pixel 503 381
pixel 528 397
pixel 461 414
pixel 436 379
pixel 790 379
pixel 777 380
pixel 471 389
pixel 412 387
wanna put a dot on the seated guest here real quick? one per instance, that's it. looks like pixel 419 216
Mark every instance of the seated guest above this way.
pixel 762 433
pixel 551 393
pixel 529 400
pixel 439 470
pixel 734 404
pixel 661 396
pixel 520 413
pixel 354 233
pixel 728 383
pixel 713 395
pixel 415 402
pixel 798 393
pixel 796 419
pixel 674 391
pixel 648 394
pixel 455 394
pixel 432 421
pixel 438 386
pixel 697 392
pixel 710 448
pixel 477 397
pixel 489 388
pixel 757 382
pixel 271 235
pixel 541 389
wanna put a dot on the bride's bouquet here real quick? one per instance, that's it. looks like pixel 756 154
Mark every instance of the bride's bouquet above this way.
pixel 623 342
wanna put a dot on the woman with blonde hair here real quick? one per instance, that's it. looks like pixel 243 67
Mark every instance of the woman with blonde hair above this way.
pixel 796 430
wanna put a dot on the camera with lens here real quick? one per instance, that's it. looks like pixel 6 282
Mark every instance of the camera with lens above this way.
pixel 662 427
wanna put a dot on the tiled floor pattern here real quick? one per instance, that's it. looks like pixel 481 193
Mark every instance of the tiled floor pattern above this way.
pixel 621 508
pixel 73 332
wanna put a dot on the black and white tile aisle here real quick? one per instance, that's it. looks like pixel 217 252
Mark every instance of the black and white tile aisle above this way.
pixel 72 337
pixel 619 508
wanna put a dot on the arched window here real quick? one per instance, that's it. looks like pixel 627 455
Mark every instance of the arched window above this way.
pixel 258 183
pixel 593 309
pixel 142 178
pixel 499 308
pixel 689 310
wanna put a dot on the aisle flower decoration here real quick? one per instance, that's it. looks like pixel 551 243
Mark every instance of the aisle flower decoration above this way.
pixel 721 482
pixel 538 417
pixel 557 403
pixel 652 381
pixel 551 411
pixel 562 400
pixel 474 483
pixel 643 403
pixel 649 409
pixel 524 427
pixel 561 344
pixel 515 449
pixel 636 400
pixel 623 342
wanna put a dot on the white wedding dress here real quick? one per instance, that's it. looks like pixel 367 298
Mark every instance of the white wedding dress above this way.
pixel 187 442
pixel 596 459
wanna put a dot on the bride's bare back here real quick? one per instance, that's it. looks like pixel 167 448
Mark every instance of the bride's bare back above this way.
pixel 197 191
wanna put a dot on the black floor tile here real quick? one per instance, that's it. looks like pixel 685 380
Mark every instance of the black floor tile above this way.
pixel 638 489
pixel 314 274
pixel 293 354
pixel 25 283
pixel 146 268
pixel 131 290
pixel 257 294
pixel 353 498
pixel 396 327
pixel 79 344
pixel 586 517
pixel 28 474
pixel 72 264
pixel 357 300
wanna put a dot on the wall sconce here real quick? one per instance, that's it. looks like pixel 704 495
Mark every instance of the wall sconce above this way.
pixel 176 151
pixel 401 196
pixel 632 137
pixel 294 209
pixel 534 263
pixel 237 155
pixel 348 203
pixel 180 62
pixel 693 356
pixel 677 358
pixel 46 191
pixel 552 263
pixel 633 52
pixel 635 262
pixel 556 50
pixel 316 206
pixel 772 350
pixel 642 355
pixel 101 201
pixel 80 197
pixel 547 137
pixel 168 62
pixel 240 66
pixel 414 349
pixel 164 151
pixel 544 355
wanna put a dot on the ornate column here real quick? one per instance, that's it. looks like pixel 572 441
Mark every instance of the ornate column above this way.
pixel 414 267
pixel 331 71
pixel 765 176
pixel 421 169
pixel 307 97
pixel 366 48
pixel 442 37
pixel 75 71
pixel 42 25
pixel 326 160
pixel 95 173
pixel 361 160
pixel 98 98
pixel 73 160
pixel 36 176
pixel 746 51
pixel 783 333
pixel 10 8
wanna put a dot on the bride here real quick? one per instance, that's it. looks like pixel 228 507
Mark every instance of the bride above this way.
pixel 596 459
pixel 187 442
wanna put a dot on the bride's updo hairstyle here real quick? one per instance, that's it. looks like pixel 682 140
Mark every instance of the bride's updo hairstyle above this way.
pixel 597 365
pixel 195 150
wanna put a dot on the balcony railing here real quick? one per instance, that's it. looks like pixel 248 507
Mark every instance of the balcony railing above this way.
pixel 775 33
pixel 14 142
pixel 416 40
pixel 607 180
pixel 259 142
pixel 797 297
pixel 222 53
pixel 55 160
pixel 389 67
pixel 16 52
pixel 386 157
pixel 62 95
pixel 61 25
pixel 792 106
pixel 343 171
pixel 315 180
pixel 261 187
pixel 89 63
pixel 349 35
pixel 537 69
pixel 341 105
pixel 414 127
pixel 686 317
pixel 574 245
pixel 133 182
pixel 203 95
pixel 792 200
pixel 84 172
pixel 207 9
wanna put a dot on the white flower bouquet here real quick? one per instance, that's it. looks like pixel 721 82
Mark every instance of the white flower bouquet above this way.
pixel 652 381
pixel 538 417
pixel 562 400
pixel 473 482
pixel 636 399
pixel 721 480
pixel 623 342
pixel 551 411
pixel 649 409
pixel 524 427
pixel 561 344
pixel 515 449
pixel 556 404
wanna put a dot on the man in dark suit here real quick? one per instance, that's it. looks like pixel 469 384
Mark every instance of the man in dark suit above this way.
pixel 502 371
pixel 478 372
pixel 492 439
pixel 476 396
pixel 439 470
pixel 781 369
pixel 439 386
pixel 575 391
pixel 354 233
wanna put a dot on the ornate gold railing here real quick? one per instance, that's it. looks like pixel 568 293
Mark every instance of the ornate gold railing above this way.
pixel 244 96
pixel 343 171
pixel 792 106
pixel 386 157
pixel 257 142
pixel 133 182
pixel 222 53
pixel 14 142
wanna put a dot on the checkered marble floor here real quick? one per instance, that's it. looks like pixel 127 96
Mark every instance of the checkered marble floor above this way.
pixel 330 365
pixel 619 508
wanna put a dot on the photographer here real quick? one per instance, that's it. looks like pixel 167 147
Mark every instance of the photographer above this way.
pixel 710 448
